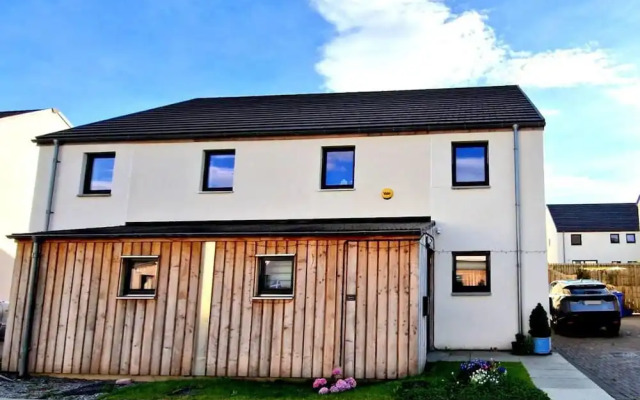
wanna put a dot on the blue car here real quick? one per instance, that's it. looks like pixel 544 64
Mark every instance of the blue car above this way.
pixel 583 303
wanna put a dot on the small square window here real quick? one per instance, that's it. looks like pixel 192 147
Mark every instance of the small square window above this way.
pixel 338 167
pixel 590 262
pixel 275 275
pixel 470 163
pixel 138 276
pixel 218 170
pixel 615 238
pixel 631 237
pixel 615 262
pixel 471 272
pixel 576 240
pixel 98 173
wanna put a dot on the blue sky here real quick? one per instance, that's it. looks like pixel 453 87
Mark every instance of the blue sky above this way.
pixel 577 59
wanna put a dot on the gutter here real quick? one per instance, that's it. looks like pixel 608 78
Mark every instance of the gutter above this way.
pixel 518 215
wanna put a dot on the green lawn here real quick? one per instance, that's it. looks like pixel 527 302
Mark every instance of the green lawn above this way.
pixel 223 388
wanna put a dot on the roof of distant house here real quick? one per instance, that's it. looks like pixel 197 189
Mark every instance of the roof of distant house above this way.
pixel 493 107
pixel 609 217
pixel 4 114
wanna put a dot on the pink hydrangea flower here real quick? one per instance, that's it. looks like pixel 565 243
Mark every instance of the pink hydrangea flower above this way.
pixel 334 389
pixel 336 371
pixel 324 390
pixel 319 383
pixel 342 385
pixel 351 382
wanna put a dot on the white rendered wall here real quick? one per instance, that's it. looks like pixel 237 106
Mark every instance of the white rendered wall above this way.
pixel 598 246
pixel 280 179
pixel 483 219
pixel 554 241
pixel 18 160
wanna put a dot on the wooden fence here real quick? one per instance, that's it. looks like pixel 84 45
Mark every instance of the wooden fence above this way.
pixel 623 277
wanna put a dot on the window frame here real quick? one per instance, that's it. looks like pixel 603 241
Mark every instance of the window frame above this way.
pixel 617 238
pixel 633 235
pixel 259 292
pixel 470 289
pixel 124 292
pixel 207 163
pixel 579 241
pixel 323 174
pixel 457 145
pixel 88 171
pixel 584 262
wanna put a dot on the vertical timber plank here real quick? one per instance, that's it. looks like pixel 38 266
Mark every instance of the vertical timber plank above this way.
pixel 216 304
pixel 111 307
pixel 170 316
pixel 392 311
pixel 181 309
pixel 319 334
pixel 43 337
pixel 92 308
pixel 309 310
pixel 225 310
pixel 56 300
pixel 64 309
pixel 361 310
pixel 381 335
pixel 192 308
pixel 83 307
pixel 350 309
pixel 413 310
pixel 372 300
pixel 330 308
pixel 247 293
pixel 403 307
pixel 236 309
pixel 299 311
pixel 157 348
pixel 10 338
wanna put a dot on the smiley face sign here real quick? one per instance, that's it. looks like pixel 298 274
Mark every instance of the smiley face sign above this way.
pixel 387 193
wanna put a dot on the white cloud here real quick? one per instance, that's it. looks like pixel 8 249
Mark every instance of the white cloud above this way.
pixel 402 44
pixel 628 95
pixel 549 112
pixel 220 177
pixel 617 180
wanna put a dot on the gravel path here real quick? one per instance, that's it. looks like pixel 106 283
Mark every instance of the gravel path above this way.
pixel 46 387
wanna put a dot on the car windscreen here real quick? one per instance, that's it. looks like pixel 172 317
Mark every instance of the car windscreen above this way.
pixel 588 290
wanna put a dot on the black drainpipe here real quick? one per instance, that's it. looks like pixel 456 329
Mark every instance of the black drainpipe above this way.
pixel 23 363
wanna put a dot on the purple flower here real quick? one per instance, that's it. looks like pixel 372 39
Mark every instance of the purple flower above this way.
pixel 351 382
pixel 342 385
pixel 324 390
pixel 319 382
pixel 336 371
pixel 334 389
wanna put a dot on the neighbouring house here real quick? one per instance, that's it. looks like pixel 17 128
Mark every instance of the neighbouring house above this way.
pixel 18 163
pixel 282 236
pixel 593 233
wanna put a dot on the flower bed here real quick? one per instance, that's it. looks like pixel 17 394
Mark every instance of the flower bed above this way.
pixel 335 384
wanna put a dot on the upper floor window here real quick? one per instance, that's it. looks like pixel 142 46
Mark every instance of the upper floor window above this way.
pixel 471 272
pixel 98 173
pixel 631 237
pixel 470 163
pixel 338 167
pixel 218 170
pixel 615 238
pixel 275 275
pixel 585 261
pixel 576 239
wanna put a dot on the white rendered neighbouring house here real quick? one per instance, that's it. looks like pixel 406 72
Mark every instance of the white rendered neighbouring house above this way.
pixel 281 236
pixel 606 233
pixel 18 163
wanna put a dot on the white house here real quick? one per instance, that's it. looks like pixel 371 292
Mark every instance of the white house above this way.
pixel 593 233
pixel 287 235
pixel 18 162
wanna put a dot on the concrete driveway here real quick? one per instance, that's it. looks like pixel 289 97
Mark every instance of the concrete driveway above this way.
pixel 613 363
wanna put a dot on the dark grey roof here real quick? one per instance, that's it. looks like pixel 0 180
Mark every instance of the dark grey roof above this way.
pixel 313 227
pixel 4 114
pixel 611 217
pixel 327 113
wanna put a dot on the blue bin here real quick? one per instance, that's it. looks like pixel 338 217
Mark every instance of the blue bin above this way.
pixel 620 297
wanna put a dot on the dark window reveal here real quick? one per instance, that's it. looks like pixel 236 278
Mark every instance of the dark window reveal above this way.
pixel 218 170
pixel 338 167
pixel 470 164
pixel 275 275
pixel 138 276
pixel 631 237
pixel 614 237
pixel 576 240
pixel 471 272
pixel 98 173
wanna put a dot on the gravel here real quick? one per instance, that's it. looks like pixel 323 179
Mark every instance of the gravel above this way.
pixel 42 387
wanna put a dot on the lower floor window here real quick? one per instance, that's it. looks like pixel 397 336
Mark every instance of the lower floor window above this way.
pixel 275 275
pixel 139 276
pixel 471 272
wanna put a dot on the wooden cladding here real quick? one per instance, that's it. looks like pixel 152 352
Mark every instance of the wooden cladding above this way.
pixel 355 305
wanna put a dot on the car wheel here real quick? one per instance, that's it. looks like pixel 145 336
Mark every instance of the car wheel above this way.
pixel 613 330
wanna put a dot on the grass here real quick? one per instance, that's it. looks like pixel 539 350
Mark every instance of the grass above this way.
pixel 225 388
